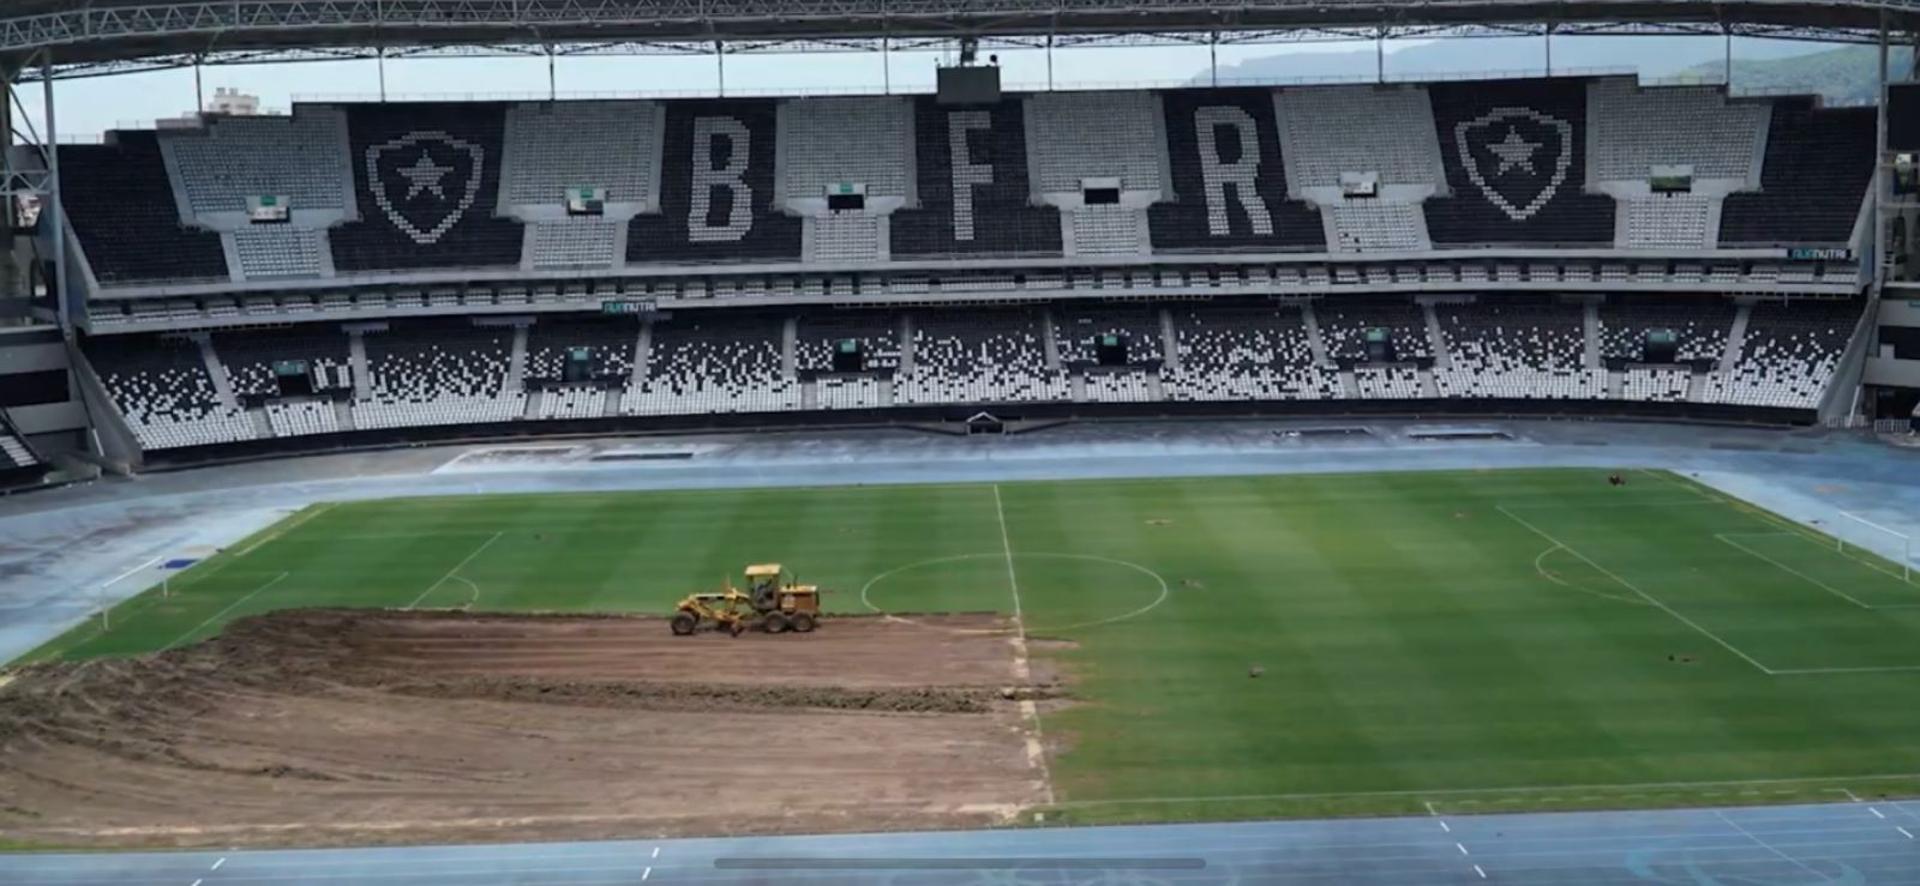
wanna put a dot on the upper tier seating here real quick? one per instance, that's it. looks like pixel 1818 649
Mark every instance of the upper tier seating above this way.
pixel 437 373
pixel 1344 323
pixel 715 364
pixel 1387 130
pixel 303 158
pixel 249 357
pixel 974 187
pixel 1228 177
pixel 1788 356
pixel 1241 351
pixel 1516 162
pixel 122 209
pixel 298 418
pixel 1640 128
pixel 1079 135
pixel 1700 326
pixel 1517 347
pixel 866 140
pixel 609 344
pixel 554 146
pixel 717 192
pixel 428 179
pixel 162 387
pixel 987 355
pixel 1814 180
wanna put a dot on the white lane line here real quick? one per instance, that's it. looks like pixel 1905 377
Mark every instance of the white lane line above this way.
pixel 1903 832
pixel 1631 587
pixel 457 567
pixel 1477 869
pixel 230 607
pixel 1770 847
pixel 196 883
pixel 656 852
pixel 1876 813
pixel 1443 826
pixel 1725 538
pixel 645 874
pixel 1462 847
pixel 217 864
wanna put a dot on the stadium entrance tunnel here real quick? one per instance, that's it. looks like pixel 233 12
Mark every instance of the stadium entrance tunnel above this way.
pixel 1053 593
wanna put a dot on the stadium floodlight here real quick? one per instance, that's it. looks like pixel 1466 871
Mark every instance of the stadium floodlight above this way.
pixel 1906 543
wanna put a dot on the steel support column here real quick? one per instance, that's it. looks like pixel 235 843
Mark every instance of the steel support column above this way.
pixel 1881 257
pixel 52 214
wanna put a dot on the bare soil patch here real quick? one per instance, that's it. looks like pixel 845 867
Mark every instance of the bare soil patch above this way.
pixel 331 727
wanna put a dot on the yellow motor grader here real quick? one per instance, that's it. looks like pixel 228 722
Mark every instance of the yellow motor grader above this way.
pixel 772 601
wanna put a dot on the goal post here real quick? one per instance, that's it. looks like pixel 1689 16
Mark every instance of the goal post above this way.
pixel 1863 526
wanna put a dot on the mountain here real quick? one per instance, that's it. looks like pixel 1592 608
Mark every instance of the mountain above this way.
pixel 1653 57
pixel 1846 74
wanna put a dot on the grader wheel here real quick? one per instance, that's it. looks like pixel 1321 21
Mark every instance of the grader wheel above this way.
pixel 802 622
pixel 683 624
pixel 776 623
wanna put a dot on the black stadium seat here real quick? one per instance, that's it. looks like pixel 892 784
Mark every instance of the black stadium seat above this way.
pixel 1516 158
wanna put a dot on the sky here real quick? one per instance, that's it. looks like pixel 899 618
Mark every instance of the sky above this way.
pixel 88 107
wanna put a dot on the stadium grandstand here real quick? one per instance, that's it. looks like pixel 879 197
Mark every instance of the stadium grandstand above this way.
pixel 372 273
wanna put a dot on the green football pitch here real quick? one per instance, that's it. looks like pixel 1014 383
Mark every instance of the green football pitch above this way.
pixel 1241 647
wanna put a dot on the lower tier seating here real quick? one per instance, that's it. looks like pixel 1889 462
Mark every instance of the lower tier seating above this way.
pixel 454 372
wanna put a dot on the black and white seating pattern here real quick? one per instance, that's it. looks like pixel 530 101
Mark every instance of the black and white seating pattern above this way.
pixel 1257 351
pixel 1517 348
pixel 1229 181
pixel 14 452
pixel 1391 170
pixel 1516 163
pixel 428 182
pixel 995 355
pixel 162 388
pixel 454 372
pixel 1788 355
pixel 715 364
pixel 974 186
pixel 717 194
pixel 437 374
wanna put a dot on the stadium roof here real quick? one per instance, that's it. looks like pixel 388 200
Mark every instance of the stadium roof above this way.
pixel 84 35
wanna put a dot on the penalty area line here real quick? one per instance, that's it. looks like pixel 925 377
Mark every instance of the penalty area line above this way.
pixel 1631 587
pixel 229 608
pixel 457 567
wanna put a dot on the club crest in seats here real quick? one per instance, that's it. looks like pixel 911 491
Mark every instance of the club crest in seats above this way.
pixel 1517 157
pixel 425 182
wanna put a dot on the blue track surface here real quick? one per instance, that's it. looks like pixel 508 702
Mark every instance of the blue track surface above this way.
pixel 1845 843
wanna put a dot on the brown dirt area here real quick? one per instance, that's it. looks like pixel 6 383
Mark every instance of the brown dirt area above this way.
pixel 332 727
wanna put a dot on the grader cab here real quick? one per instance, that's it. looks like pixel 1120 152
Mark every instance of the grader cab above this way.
pixel 772 602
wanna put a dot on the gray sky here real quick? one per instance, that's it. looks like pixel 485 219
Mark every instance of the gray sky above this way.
pixel 89 107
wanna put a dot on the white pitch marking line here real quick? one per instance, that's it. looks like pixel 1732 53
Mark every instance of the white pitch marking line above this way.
pixel 1022 671
pixel 1631 587
pixel 1903 832
pixel 1876 813
pixel 217 864
pixel 1726 539
pixel 457 567
pixel 1478 870
pixel 1850 795
pixel 230 607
